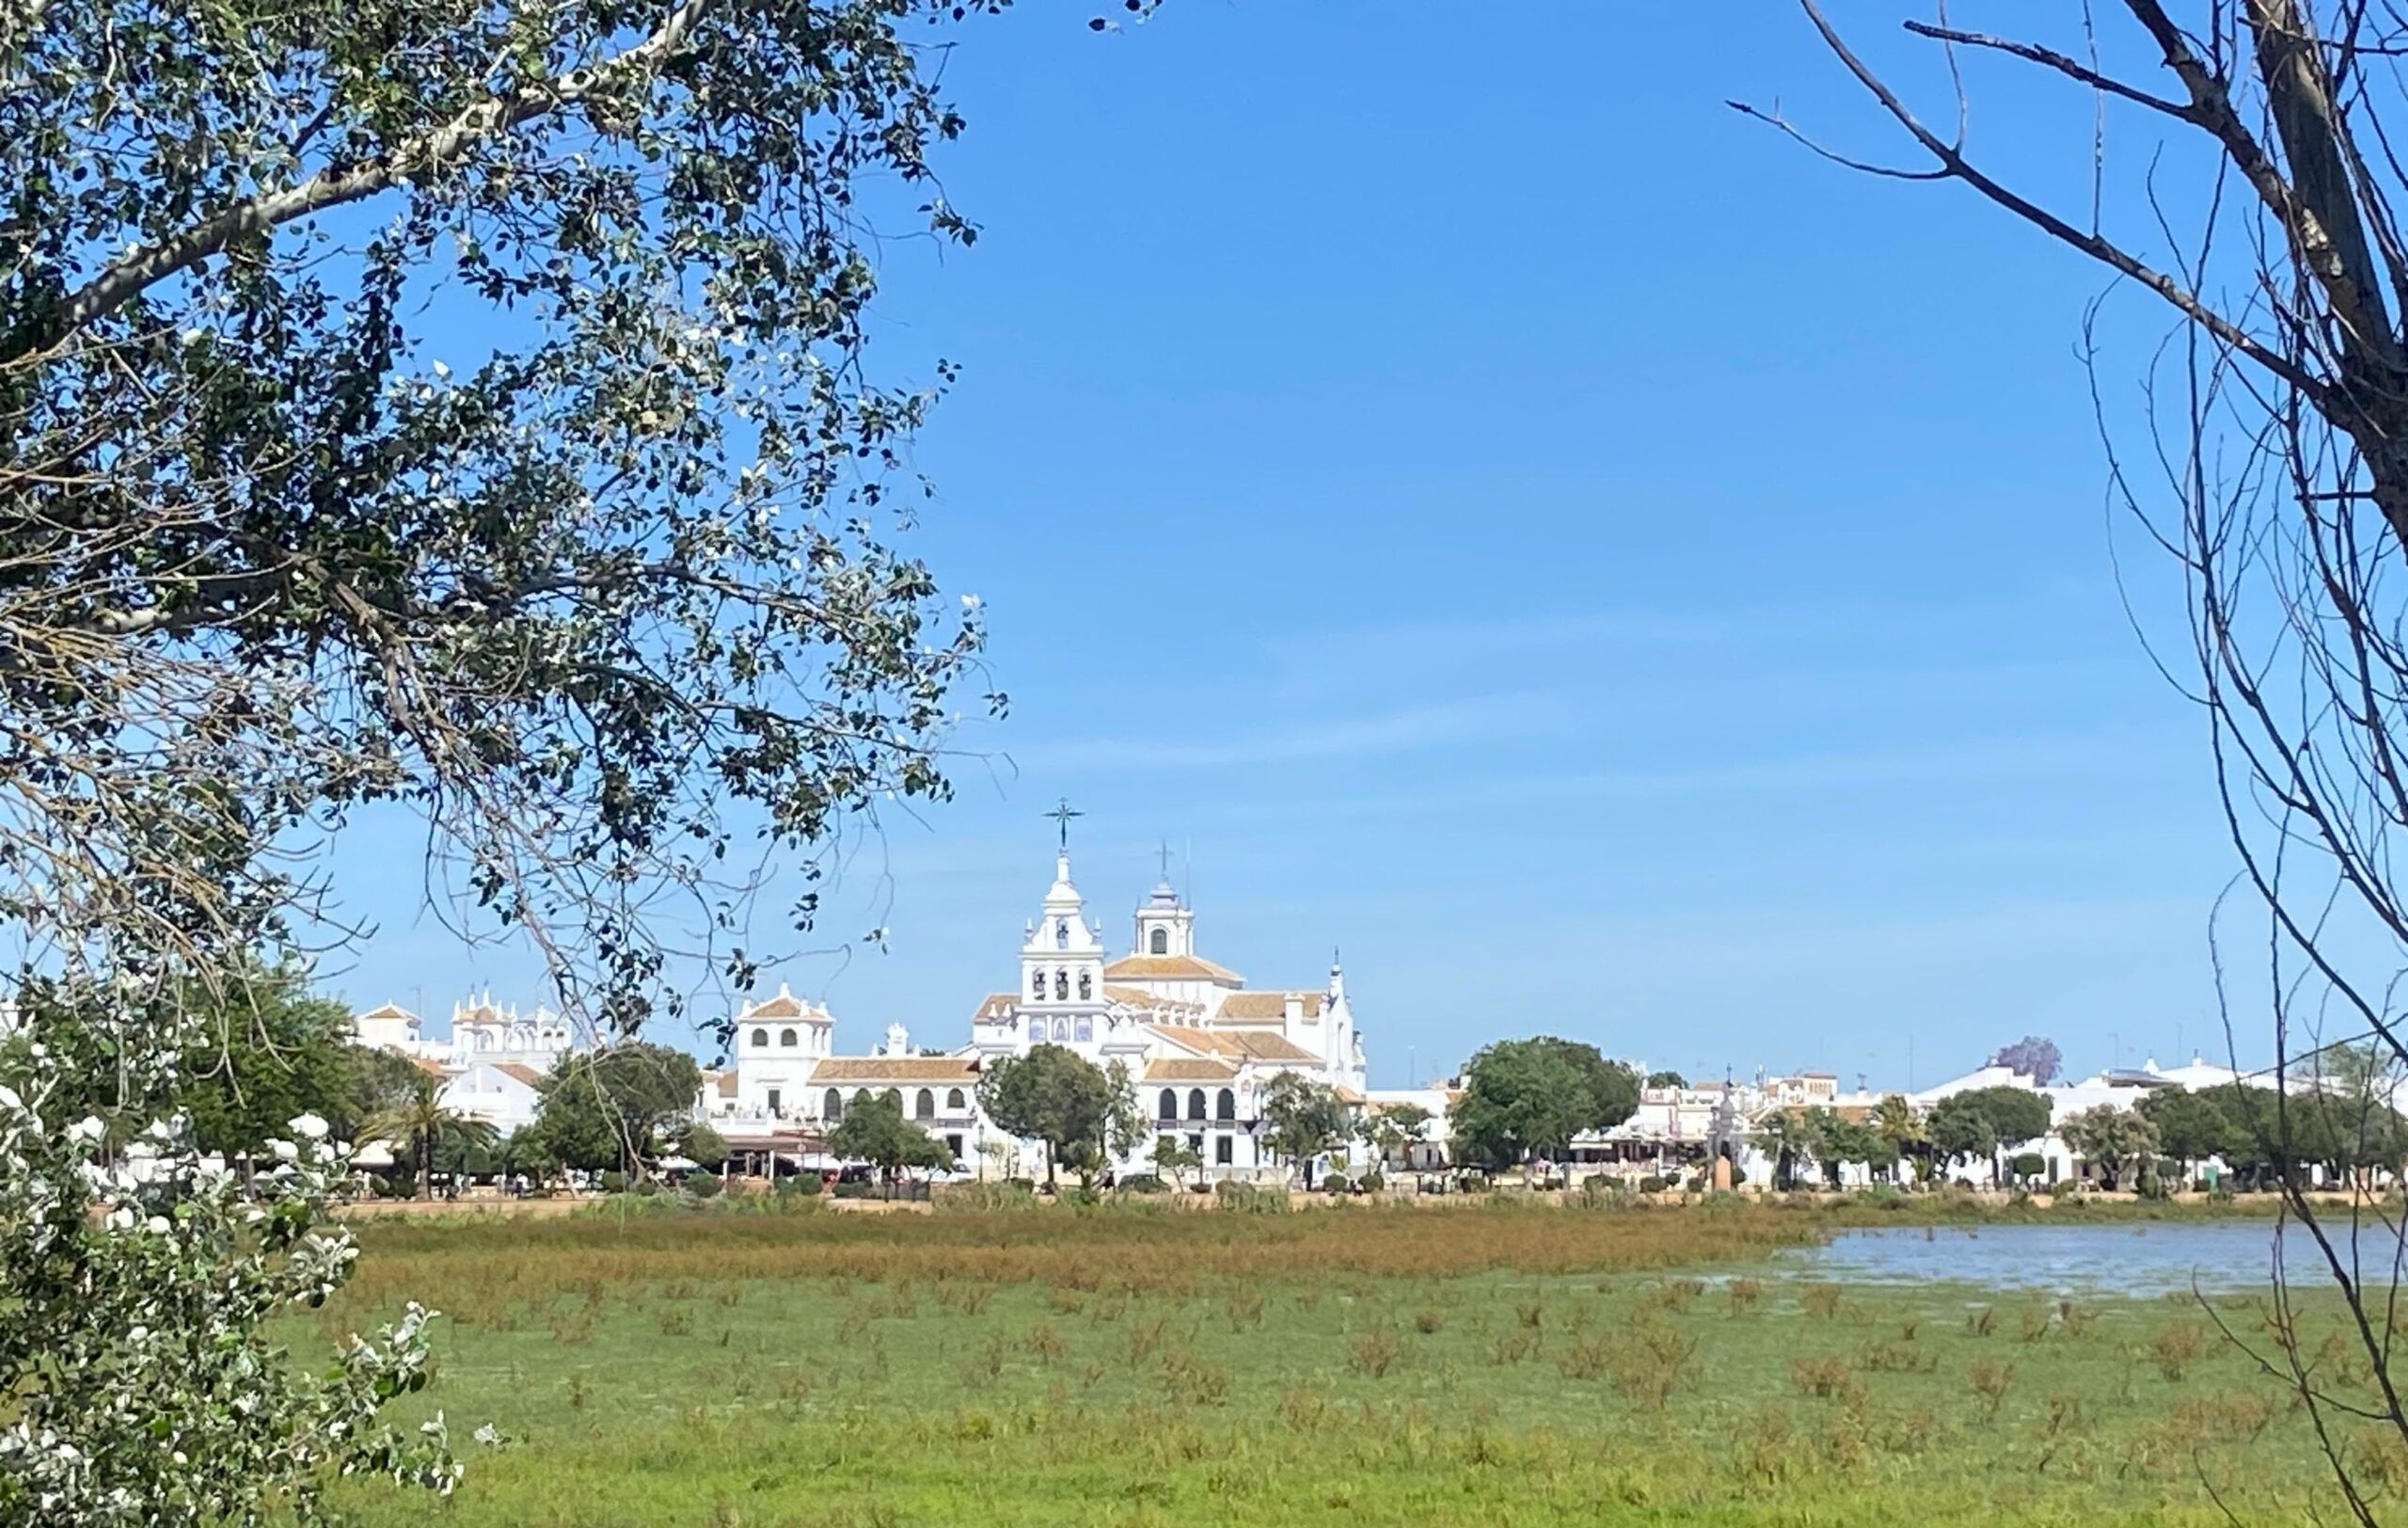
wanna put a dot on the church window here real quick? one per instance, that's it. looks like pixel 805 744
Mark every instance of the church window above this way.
pixel 1228 1104
pixel 1061 933
pixel 1061 1031
pixel 761 1038
pixel 835 1105
pixel 774 1101
pixel 1037 985
pixel 1087 1030
pixel 954 1103
pixel 785 1037
pixel 1170 1104
pixel 1159 944
pixel 1223 1150
pixel 1061 986
pixel 1086 986
pixel 1195 1103
pixel 925 1106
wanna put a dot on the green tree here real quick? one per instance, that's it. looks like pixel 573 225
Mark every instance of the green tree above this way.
pixel 1392 1130
pixel 2192 1126
pixel 875 1131
pixel 1054 1095
pixel 1962 1130
pixel 1789 1138
pixel 423 1127
pixel 1897 1121
pixel 1306 1119
pixel 703 1146
pixel 1666 1079
pixel 1521 1097
pixel 274 1051
pixel 617 1106
pixel 1172 1156
pixel 2111 1138
pixel 375 1080
pixel 604 590
pixel 1124 1120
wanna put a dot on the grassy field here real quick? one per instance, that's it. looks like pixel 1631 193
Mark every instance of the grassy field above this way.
pixel 1498 1367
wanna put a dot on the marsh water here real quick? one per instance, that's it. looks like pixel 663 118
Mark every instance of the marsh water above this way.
pixel 2130 1259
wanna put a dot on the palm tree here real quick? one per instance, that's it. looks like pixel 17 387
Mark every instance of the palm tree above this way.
pixel 1900 1123
pixel 1789 1136
pixel 417 1126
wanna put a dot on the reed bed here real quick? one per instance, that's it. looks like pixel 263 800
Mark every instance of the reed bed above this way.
pixel 471 1267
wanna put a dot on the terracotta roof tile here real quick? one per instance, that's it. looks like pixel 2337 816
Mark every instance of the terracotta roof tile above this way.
pixel 896 1069
pixel 996 1005
pixel 1235 1042
pixel 785 1005
pixel 1267 1005
pixel 1177 1069
pixel 1172 968
pixel 519 1070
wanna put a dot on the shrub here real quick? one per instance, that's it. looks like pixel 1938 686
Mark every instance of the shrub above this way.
pixel 2029 1166
pixel 1651 1183
pixel 1335 1183
pixel 1144 1183
pixel 2174 1348
pixel 703 1183
pixel 613 1182
pixel 646 1188
pixel 1821 1375
pixel 1375 1352
pixel 1991 1382
pixel 856 1188
pixel 1371 1182
pixel 803 1183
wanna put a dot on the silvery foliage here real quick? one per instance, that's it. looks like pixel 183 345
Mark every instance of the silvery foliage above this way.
pixel 598 576
pixel 137 1291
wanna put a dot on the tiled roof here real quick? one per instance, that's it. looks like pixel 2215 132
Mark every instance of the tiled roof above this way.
pixel 1171 967
pixel 519 1070
pixel 995 1007
pixel 1235 1042
pixel 785 1005
pixel 1347 1095
pixel 1140 997
pixel 389 1010
pixel 896 1069
pixel 1268 1004
pixel 1175 1069
pixel 431 1067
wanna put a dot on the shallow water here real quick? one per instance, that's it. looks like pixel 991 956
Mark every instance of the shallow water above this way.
pixel 2137 1258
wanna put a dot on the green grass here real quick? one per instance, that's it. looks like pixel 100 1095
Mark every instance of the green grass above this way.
pixel 1558 1367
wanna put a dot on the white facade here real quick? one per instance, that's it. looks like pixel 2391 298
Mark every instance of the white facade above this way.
pixel 1198 1045
pixel 491 1067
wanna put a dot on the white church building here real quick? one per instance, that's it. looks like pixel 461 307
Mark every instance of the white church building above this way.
pixel 490 1067
pixel 1201 1045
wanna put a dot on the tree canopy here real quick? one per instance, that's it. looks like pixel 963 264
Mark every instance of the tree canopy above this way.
pixel 1054 1095
pixel 875 1131
pixel 1305 1116
pixel 1521 1097
pixel 615 1107
pixel 604 583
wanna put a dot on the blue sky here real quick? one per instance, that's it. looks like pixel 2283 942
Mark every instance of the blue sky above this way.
pixel 1517 520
